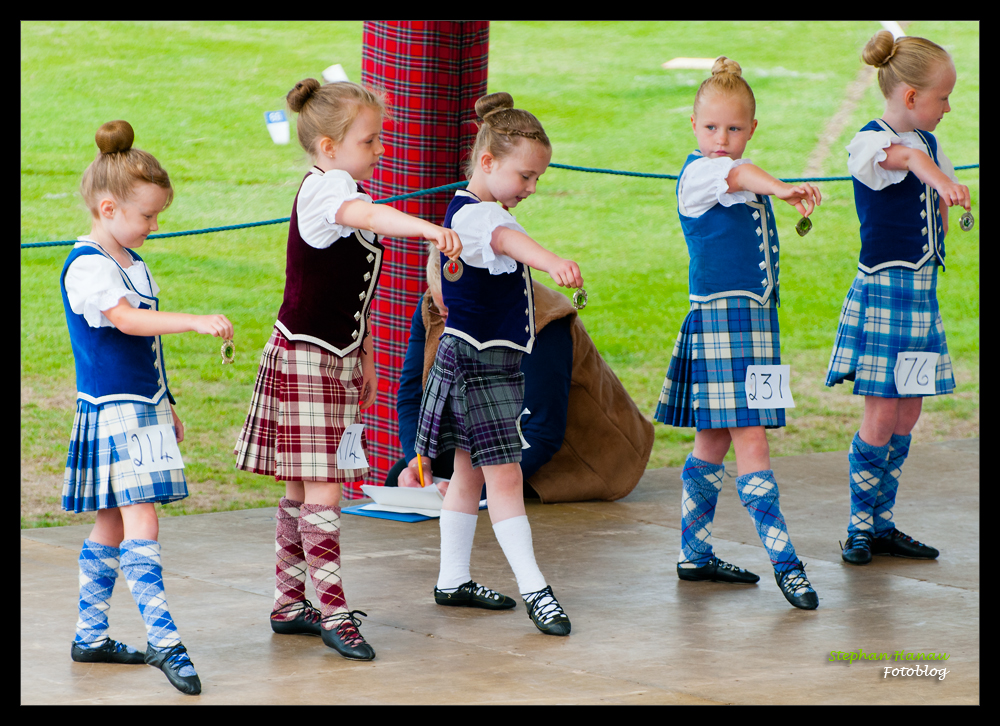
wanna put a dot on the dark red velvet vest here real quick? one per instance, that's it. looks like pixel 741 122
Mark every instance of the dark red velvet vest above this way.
pixel 328 292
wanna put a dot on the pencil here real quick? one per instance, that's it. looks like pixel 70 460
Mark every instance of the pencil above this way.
pixel 420 470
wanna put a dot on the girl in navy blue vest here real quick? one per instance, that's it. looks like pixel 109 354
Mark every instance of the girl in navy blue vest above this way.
pixel 115 326
pixel 317 371
pixel 475 390
pixel 726 215
pixel 903 185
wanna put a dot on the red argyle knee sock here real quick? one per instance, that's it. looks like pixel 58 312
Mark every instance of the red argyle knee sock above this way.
pixel 290 563
pixel 319 526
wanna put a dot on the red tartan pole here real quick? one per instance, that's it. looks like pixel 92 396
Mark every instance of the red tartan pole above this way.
pixel 433 72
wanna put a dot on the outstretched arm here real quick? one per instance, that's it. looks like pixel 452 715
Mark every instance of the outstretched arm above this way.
pixel 136 321
pixel 902 158
pixel 750 178
pixel 522 248
pixel 389 222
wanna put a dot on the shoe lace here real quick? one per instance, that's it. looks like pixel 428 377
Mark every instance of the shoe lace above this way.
pixel 857 540
pixel 723 565
pixel 545 606
pixel 347 630
pixel 178 655
pixel 309 613
pixel 483 591
pixel 796 582
pixel 896 534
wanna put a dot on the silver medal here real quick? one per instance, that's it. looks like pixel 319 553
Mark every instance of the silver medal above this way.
pixel 228 352
pixel 967 222
pixel 580 299
pixel 803 226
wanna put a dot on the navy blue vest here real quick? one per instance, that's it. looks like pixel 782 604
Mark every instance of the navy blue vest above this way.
pixel 733 250
pixel 486 310
pixel 110 365
pixel 901 225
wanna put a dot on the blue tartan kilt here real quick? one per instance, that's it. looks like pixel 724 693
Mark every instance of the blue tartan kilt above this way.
pixel 704 386
pixel 886 313
pixel 99 473
pixel 472 401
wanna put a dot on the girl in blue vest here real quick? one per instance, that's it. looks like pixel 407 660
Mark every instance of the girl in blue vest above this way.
pixel 115 326
pixel 317 371
pixel 726 215
pixel 475 390
pixel 903 185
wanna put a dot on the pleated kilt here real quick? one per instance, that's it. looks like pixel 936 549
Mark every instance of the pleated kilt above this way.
pixel 303 400
pixel 704 385
pixel 472 401
pixel 883 314
pixel 99 472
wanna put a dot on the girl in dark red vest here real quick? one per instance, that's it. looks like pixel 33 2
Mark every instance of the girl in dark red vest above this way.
pixel 317 371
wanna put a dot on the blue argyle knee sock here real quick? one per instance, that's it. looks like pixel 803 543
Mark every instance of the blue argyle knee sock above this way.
pixel 759 493
pixel 867 466
pixel 702 483
pixel 899 447
pixel 140 563
pixel 98 563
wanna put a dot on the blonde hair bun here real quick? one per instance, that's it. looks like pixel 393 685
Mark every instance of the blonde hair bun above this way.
pixel 492 103
pixel 879 49
pixel 302 92
pixel 726 65
pixel 115 137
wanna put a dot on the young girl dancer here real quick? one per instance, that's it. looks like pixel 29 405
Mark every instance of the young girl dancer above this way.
pixel 475 389
pixel 115 326
pixel 903 185
pixel 722 200
pixel 317 371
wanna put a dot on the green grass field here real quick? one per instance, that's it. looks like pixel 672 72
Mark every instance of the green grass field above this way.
pixel 196 94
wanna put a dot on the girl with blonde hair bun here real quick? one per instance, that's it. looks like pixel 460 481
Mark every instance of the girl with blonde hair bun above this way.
pixel 725 212
pixel 903 186
pixel 317 370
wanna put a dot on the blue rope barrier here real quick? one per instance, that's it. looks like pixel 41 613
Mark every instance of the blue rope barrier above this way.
pixel 435 190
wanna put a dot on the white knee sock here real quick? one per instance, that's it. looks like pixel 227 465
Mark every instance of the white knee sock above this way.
pixel 514 536
pixel 457 532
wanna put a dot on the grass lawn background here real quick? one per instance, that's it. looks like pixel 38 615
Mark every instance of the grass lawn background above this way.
pixel 196 94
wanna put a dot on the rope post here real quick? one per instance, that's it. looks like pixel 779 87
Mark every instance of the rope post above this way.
pixel 433 72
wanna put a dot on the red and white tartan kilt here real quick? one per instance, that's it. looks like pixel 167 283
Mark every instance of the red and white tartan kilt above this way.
pixel 303 400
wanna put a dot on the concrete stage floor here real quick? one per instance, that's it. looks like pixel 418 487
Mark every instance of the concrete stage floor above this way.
pixel 640 635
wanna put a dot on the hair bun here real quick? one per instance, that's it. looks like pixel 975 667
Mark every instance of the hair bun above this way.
pixel 726 65
pixel 302 92
pixel 492 103
pixel 879 49
pixel 115 137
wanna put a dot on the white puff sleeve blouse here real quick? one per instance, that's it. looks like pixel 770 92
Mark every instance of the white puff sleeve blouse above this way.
pixel 703 185
pixel 94 284
pixel 474 224
pixel 867 152
pixel 320 197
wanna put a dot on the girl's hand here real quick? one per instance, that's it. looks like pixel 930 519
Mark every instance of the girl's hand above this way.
pixel 952 194
pixel 178 425
pixel 216 325
pixel 369 384
pixel 566 273
pixel 804 196
pixel 410 476
pixel 446 240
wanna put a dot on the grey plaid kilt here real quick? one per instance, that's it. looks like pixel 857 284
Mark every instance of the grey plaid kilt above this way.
pixel 471 402
pixel 883 314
